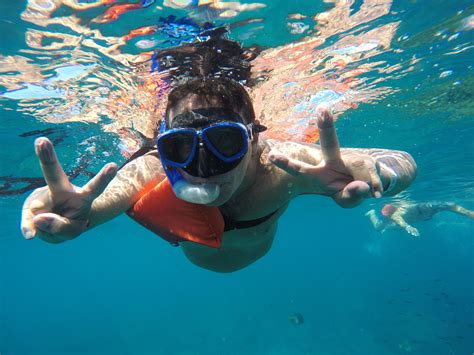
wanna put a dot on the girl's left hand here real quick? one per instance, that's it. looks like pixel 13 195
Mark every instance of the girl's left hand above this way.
pixel 348 178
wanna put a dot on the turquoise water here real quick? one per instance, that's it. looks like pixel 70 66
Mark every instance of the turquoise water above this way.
pixel 121 290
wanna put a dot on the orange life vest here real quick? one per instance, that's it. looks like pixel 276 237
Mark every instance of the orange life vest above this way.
pixel 175 220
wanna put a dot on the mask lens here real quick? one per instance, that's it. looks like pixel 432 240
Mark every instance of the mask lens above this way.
pixel 227 140
pixel 177 146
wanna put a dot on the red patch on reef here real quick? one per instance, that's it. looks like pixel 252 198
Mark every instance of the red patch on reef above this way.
pixel 139 32
pixel 114 12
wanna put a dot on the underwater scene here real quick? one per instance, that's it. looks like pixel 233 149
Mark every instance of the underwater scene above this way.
pixel 368 261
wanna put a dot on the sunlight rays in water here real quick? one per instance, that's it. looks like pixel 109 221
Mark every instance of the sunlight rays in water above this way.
pixel 76 67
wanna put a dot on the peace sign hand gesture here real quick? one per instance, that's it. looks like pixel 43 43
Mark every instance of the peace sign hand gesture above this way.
pixel 60 211
pixel 348 178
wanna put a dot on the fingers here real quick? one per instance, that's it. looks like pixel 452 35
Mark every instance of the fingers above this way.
pixel 291 166
pixel 353 194
pixel 99 182
pixel 34 204
pixel 327 135
pixel 52 227
pixel 53 173
pixel 28 228
pixel 364 169
pixel 376 182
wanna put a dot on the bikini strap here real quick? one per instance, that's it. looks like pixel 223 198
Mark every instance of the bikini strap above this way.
pixel 231 224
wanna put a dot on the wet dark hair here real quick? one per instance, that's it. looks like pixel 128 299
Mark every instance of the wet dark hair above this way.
pixel 214 57
pixel 220 92
pixel 214 69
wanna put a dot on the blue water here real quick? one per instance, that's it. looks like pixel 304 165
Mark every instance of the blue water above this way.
pixel 121 290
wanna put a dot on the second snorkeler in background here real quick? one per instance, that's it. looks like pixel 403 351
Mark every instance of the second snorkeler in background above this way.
pixel 403 215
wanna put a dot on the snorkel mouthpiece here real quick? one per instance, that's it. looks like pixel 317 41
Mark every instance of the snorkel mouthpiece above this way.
pixel 201 194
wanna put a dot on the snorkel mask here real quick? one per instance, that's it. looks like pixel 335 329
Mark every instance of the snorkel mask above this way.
pixel 205 143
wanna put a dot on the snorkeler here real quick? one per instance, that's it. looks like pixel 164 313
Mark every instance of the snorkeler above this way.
pixel 405 215
pixel 211 184
pixel 238 186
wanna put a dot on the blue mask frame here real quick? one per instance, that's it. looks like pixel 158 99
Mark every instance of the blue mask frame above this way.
pixel 199 135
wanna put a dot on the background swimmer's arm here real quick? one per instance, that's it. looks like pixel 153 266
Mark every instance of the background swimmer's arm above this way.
pixel 397 217
pixel 124 190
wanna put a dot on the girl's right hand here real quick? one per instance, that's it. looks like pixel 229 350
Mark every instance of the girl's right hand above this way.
pixel 60 211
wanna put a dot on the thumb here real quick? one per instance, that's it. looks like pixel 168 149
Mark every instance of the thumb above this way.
pixel 58 226
pixel 352 194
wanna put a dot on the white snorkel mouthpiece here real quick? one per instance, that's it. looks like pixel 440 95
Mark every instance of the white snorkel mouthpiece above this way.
pixel 201 194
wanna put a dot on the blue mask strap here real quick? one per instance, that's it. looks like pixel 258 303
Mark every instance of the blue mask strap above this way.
pixel 163 126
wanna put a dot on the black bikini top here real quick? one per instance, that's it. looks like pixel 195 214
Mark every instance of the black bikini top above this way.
pixel 231 224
